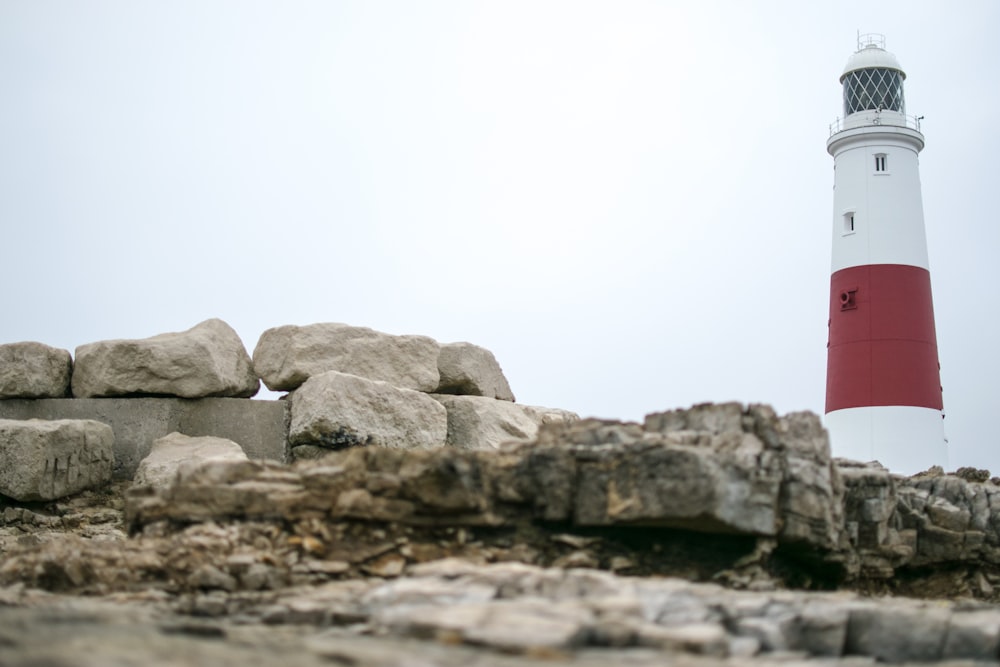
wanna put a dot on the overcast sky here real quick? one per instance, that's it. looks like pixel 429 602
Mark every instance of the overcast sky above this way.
pixel 628 202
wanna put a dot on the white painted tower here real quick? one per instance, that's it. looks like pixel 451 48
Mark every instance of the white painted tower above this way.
pixel 883 386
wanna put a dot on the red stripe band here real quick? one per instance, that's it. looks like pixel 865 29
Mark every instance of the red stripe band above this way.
pixel 882 348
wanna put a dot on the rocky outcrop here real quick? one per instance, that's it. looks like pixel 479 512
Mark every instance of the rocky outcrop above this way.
pixel 207 360
pixel 287 356
pixel 176 453
pixel 34 370
pixel 932 520
pixel 714 468
pixel 470 370
pixel 337 410
pixel 44 460
pixel 501 550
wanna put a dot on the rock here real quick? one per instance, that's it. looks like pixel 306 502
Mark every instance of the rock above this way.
pixel 207 360
pixel 287 356
pixel 470 370
pixel 530 625
pixel 387 566
pixel 973 635
pixel 44 460
pixel 175 452
pixel 337 410
pixel 309 452
pixel 209 577
pixel 821 629
pixel 970 474
pixel 551 415
pixel 518 625
pixel 698 480
pixel 812 491
pixel 475 422
pixel 897 633
pixel 699 638
pixel 34 370
pixel 946 515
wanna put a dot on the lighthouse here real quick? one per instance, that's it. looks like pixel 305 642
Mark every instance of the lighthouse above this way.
pixel 883 386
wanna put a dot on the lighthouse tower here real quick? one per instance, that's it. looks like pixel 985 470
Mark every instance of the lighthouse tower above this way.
pixel 883 387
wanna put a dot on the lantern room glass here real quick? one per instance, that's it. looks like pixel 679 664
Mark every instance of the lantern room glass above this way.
pixel 875 88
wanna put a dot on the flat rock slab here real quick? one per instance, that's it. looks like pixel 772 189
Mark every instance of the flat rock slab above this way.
pixel 337 410
pixel 206 360
pixel 470 370
pixel 176 452
pixel 287 356
pixel 34 370
pixel 45 460
pixel 260 427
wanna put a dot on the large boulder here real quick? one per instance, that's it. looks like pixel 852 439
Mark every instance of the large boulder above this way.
pixel 176 453
pixel 34 370
pixel 207 360
pixel 337 410
pixel 470 370
pixel 45 460
pixel 476 422
pixel 287 356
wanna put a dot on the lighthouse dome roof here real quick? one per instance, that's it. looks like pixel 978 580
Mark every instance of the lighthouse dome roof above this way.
pixel 872 56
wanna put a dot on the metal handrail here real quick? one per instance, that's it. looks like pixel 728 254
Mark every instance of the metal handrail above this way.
pixel 892 120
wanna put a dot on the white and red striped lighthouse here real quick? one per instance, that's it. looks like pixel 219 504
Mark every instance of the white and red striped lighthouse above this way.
pixel 883 387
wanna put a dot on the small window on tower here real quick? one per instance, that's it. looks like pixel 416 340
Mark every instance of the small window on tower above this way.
pixel 880 162
pixel 849 222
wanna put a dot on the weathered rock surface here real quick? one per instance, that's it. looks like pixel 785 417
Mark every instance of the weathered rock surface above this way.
pixel 44 460
pixel 476 422
pixel 713 469
pixel 287 356
pixel 337 410
pixel 207 360
pixel 34 370
pixel 448 556
pixel 470 370
pixel 510 613
pixel 176 453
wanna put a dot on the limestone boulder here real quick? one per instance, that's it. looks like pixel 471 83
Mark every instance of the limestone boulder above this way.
pixel 34 370
pixel 477 422
pixel 470 370
pixel 338 410
pixel 287 356
pixel 45 460
pixel 207 360
pixel 176 453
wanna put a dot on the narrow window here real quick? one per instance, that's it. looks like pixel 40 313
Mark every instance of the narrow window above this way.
pixel 880 162
pixel 849 222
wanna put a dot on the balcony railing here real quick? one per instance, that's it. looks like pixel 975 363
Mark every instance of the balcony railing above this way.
pixel 868 118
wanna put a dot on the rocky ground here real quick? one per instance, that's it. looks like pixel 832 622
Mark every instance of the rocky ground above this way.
pixel 717 535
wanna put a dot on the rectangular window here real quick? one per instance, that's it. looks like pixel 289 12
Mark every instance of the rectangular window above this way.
pixel 880 162
pixel 849 222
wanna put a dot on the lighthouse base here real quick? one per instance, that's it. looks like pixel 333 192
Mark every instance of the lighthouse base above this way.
pixel 904 439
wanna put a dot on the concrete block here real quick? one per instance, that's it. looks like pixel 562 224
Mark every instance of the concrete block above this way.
pixel 45 460
pixel 260 427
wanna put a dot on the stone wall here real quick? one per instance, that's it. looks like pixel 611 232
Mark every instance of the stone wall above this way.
pixel 348 386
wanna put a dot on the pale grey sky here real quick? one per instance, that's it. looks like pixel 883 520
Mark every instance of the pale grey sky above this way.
pixel 629 203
